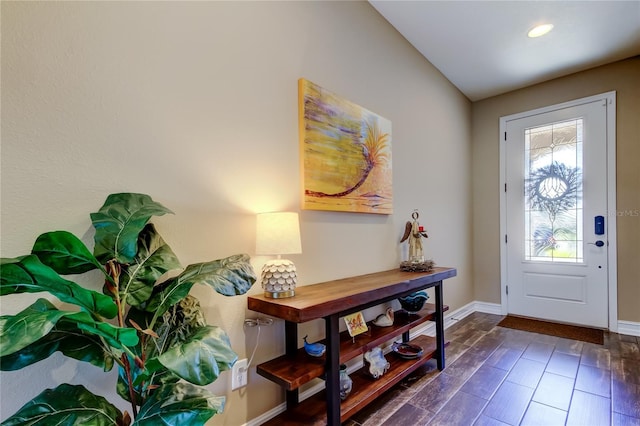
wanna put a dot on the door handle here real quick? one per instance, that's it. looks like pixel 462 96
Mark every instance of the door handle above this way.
pixel 598 243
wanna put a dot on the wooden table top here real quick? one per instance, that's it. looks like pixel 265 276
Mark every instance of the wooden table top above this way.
pixel 332 297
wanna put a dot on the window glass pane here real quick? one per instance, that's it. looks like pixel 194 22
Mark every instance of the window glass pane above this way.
pixel 553 192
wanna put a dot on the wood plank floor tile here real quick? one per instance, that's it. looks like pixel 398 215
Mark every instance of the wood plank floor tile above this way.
pixel 509 403
pixel 618 419
pixel 626 398
pixel 588 409
pixel 555 391
pixel 596 356
pixel 623 346
pixel 385 405
pixel 625 370
pixel 462 409
pixel 485 346
pixel 408 414
pixel 471 337
pixel 629 350
pixel 453 351
pixel 568 346
pixel 459 331
pixel 545 338
pixel 526 372
pixel 539 351
pixel 419 378
pixel 437 392
pixel 465 365
pixel 504 358
pixel 484 381
pixel 627 338
pixel 543 415
pixel 594 380
pixel 488 421
pixel 563 364
pixel 517 339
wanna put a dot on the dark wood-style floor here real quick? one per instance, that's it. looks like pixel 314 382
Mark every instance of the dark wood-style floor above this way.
pixel 500 376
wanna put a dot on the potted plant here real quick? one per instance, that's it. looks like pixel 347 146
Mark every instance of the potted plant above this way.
pixel 148 325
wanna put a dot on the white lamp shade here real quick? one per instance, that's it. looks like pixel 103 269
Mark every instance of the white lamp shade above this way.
pixel 278 233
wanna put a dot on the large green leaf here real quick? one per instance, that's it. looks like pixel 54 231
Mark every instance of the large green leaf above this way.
pixel 114 336
pixel 64 253
pixel 27 274
pixel 230 276
pixel 179 404
pixel 36 321
pixel 118 223
pixel 154 258
pixel 66 405
pixel 66 338
pixel 201 358
pixel 21 330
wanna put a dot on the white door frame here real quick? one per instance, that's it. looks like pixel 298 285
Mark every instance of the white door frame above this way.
pixel 610 98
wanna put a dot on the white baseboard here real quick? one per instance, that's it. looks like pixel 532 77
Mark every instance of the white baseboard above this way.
pixel 265 417
pixel 488 308
pixel 629 328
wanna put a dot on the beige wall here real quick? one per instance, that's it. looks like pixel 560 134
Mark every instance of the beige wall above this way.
pixel 195 103
pixel 624 78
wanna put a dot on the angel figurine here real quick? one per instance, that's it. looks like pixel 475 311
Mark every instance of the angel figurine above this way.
pixel 414 233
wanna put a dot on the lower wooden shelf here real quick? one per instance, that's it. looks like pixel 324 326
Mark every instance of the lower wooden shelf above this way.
pixel 312 411
pixel 293 371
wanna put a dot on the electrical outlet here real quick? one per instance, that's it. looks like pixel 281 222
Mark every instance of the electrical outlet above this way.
pixel 239 374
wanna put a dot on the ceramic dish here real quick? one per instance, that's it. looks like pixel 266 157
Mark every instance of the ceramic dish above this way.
pixel 407 350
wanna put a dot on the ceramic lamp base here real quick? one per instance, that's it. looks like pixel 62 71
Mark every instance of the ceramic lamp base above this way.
pixel 279 279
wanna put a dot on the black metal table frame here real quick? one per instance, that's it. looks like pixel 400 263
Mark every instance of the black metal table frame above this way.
pixel 332 361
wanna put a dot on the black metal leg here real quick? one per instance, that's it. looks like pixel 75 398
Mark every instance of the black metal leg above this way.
pixel 291 337
pixel 332 370
pixel 291 347
pixel 439 327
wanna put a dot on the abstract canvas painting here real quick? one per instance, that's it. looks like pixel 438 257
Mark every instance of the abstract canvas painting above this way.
pixel 345 154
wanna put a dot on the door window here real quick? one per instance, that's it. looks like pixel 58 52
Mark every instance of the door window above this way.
pixel 553 192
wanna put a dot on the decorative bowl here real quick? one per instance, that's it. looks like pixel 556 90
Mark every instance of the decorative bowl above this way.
pixel 407 350
pixel 413 302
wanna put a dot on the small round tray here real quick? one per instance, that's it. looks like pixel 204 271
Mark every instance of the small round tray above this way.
pixel 407 350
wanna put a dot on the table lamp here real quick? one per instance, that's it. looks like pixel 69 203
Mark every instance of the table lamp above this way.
pixel 278 234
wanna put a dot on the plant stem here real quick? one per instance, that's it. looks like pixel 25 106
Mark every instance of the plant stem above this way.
pixel 132 395
pixel 114 269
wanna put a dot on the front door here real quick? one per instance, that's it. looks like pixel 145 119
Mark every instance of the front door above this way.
pixel 556 213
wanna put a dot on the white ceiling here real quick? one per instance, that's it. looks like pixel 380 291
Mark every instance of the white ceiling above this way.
pixel 482 46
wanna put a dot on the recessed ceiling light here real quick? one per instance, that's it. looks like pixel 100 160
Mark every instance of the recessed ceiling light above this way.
pixel 540 30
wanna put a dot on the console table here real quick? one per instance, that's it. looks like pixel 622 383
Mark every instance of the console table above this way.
pixel 331 301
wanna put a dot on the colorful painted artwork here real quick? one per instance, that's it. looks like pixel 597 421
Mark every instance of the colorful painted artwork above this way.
pixel 345 154
pixel 356 324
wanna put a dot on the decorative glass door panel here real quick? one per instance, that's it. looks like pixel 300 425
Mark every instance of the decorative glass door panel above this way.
pixel 553 192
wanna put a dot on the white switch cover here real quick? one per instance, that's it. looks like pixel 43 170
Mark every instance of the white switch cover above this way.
pixel 239 374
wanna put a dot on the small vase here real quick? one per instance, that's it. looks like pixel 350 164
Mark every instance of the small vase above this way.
pixel 345 382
